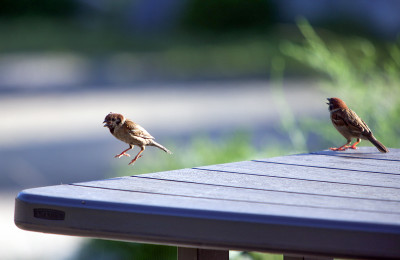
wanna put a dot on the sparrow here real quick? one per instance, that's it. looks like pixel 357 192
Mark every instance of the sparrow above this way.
pixel 130 133
pixel 350 125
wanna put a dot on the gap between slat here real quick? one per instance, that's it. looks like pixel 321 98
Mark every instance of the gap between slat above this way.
pixel 355 157
pixel 323 167
pixel 293 178
pixel 235 200
pixel 259 189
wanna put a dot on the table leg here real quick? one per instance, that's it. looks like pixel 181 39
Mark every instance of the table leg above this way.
pixel 185 253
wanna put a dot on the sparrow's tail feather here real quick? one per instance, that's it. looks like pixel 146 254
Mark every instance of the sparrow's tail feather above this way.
pixel 154 143
pixel 378 144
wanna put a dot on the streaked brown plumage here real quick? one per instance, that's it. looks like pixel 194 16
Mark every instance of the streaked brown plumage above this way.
pixel 350 125
pixel 130 133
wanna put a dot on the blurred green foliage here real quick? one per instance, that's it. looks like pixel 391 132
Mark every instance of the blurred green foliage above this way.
pixel 288 123
pixel 112 250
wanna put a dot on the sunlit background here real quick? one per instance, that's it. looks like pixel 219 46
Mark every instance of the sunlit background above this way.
pixel 213 81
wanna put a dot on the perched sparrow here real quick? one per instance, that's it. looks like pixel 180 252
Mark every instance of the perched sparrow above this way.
pixel 130 133
pixel 350 125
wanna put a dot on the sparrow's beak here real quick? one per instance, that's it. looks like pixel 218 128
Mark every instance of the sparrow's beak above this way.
pixel 329 101
pixel 105 123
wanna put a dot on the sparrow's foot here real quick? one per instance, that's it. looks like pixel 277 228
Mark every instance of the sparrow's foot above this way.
pixel 342 148
pixel 353 147
pixel 122 154
pixel 134 160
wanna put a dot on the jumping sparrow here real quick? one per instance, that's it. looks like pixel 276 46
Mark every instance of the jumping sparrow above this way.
pixel 130 133
pixel 350 125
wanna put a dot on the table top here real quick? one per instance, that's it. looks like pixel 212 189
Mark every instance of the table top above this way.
pixel 338 204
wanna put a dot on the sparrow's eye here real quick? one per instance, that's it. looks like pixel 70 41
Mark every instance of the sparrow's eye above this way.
pixel 113 119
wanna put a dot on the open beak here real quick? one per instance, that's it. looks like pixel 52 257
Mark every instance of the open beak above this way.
pixel 329 101
pixel 105 123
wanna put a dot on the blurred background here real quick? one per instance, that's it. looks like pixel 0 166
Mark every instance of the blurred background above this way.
pixel 214 81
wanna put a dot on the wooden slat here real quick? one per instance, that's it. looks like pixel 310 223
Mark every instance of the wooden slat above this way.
pixel 338 163
pixel 229 193
pixel 300 172
pixel 365 153
pixel 280 184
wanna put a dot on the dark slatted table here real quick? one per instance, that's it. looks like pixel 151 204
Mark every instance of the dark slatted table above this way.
pixel 323 204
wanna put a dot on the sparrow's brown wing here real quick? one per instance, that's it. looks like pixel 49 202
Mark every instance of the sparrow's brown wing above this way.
pixel 355 123
pixel 338 118
pixel 137 130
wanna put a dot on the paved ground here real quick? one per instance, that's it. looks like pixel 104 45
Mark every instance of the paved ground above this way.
pixel 58 138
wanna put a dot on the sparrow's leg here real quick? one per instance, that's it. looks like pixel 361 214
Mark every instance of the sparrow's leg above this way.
pixel 342 148
pixel 354 145
pixel 137 156
pixel 123 152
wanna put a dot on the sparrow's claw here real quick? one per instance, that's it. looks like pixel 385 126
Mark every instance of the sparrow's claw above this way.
pixel 342 148
pixel 134 160
pixel 122 154
pixel 354 145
